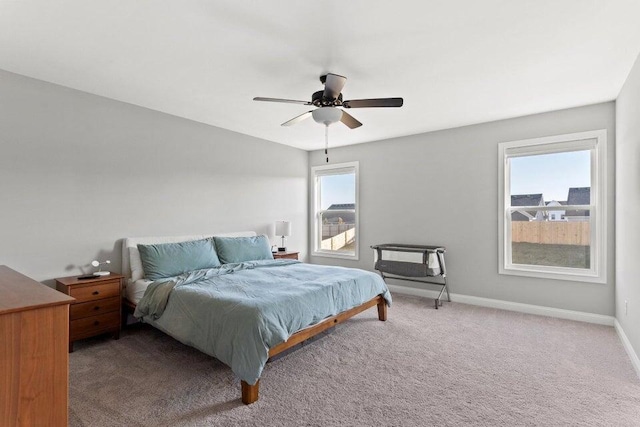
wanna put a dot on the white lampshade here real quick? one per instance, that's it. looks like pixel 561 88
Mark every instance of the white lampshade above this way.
pixel 283 228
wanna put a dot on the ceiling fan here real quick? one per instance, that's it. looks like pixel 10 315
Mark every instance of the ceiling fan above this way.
pixel 329 99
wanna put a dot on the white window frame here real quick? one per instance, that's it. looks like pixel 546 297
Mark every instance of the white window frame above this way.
pixel 596 142
pixel 316 173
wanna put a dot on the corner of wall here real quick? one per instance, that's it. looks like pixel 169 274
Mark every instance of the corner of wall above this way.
pixel 627 176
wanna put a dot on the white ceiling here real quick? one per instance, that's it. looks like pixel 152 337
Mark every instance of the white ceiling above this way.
pixel 455 62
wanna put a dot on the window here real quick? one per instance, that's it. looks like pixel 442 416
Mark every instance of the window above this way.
pixel 552 211
pixel 335 213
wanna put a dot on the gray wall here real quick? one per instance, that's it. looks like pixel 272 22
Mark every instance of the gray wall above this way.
pixel 628 207
pixel 442 188
pixel 78 172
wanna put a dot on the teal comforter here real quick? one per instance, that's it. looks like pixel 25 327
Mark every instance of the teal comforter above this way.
pixel 237 312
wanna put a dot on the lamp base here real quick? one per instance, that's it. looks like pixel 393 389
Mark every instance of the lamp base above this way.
pixel 282 249
pixel 102 273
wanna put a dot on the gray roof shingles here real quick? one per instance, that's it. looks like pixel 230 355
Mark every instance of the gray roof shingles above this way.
pixel 578 196
pixel 341 206
pixel 525 200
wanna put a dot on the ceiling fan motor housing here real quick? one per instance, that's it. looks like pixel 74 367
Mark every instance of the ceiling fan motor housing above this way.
pixel 319 100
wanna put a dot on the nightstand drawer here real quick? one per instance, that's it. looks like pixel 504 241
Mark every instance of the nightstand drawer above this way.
pixel 92 308
pixel 285 255
pixel 93 325
pixel 97 291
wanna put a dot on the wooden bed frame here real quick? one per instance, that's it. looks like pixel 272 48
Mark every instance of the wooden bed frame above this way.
pixel 250 392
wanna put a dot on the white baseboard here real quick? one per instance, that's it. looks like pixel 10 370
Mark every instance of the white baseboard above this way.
pixel 580 316
pixel 635 361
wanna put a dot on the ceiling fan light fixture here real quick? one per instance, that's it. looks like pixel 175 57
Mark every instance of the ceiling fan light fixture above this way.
pixel 327 115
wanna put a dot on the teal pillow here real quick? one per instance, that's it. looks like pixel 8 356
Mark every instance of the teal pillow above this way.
pixel 171 259
pixel 240 249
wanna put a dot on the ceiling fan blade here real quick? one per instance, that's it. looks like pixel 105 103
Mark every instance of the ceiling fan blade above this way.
pixel 290 101
pixel 369 103
pixel 297 119
pixel 333 86
pixel 349 120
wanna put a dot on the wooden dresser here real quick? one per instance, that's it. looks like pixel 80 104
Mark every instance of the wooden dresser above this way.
pixel 34 362
pixel 98 305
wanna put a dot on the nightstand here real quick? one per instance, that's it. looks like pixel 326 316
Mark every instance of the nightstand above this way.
pixel 98 305
pixel 285 255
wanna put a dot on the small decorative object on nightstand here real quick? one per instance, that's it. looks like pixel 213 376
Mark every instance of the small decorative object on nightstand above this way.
pixel 97 309
pixel 99 264
pixel 285 255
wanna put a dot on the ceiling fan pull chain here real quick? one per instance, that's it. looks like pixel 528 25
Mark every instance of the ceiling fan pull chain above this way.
pixel 326 141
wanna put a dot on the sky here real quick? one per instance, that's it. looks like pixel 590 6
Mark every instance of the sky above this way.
pixel 337 189
pixel 550 174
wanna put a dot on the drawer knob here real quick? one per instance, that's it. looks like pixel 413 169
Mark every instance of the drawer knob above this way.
pixel 97 307
pixel 96 323
pixel 96 292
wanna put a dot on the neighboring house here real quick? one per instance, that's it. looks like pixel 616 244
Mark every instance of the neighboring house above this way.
pixel 556 215
pixel 578 196
pixel 340 217
pixel 527 200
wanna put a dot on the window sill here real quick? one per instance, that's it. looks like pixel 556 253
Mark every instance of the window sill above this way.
pixel 560 275
pixel 353 257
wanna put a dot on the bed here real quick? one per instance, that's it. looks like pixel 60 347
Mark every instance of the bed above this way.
pixel 247 312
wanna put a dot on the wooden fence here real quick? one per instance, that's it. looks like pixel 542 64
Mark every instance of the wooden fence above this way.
pixel 339 241
pixel 551 232
pixel 330 230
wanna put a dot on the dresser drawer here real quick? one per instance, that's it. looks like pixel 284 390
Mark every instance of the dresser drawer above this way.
pixel 93 325
pixel 97 291
pixel 92 308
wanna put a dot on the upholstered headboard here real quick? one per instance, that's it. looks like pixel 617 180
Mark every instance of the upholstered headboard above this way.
pixel 131 263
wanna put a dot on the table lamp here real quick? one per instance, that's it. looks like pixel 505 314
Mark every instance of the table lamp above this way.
pixel 283 229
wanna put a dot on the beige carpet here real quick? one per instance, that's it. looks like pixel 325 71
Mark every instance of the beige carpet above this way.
pixel 460 365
